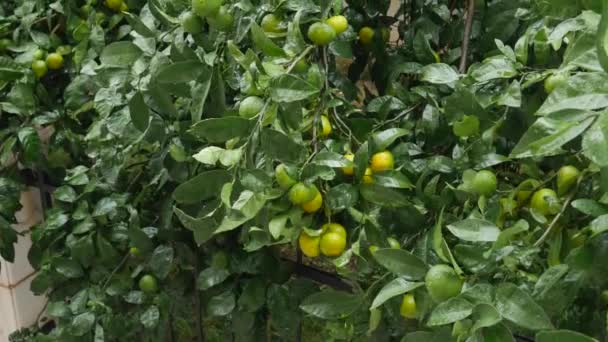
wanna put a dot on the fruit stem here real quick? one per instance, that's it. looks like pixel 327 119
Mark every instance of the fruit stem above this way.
pixel 299 58
pixel 559 215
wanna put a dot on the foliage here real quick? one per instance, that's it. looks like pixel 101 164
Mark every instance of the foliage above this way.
pixel 156 175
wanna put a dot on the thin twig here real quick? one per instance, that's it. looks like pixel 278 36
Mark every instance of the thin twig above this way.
pixel 122 262
pixel 467 35
pixel 559 215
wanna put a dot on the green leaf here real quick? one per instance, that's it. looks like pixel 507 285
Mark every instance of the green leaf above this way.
pixel 450 311
pixel 563 336
pixel 602 38
pixel 82 324
pixel 331 159
pixel 9 70
pixel 383 196
pixel 210 277
pixel 30 144
pixel 140 115
pixel 202 187
pixel 278 146
pixel 341 197
pixel 401 263
pixel 262 42
pixel 439 73
pixel 120 54
pixel 475 230
pixel 68 268
pixel 150 318
pixel 582 91
pixel 495 67
pixel 392 179
pixel 291 88
pixel 161 261
pixel 244 209
pixel 485 315
pixel 218 130
pixel 589 207
pixel 331 304
pixel 221 305
pixel 518 307
pixel 547 135
pixel 384 139
pixel 394 288
pixel 202 228
pixel 182 72
pixel 200 92
pixel 596 140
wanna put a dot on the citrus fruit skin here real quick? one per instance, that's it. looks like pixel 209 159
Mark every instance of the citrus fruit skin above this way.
pixel 332 244
pixel 554 81
pixel 524 195
pixel 338 22
pixel 271 23
pixel 250 107
pixel 484 182
pixel 442 283
pixel 540 202
pixel 326 128
pixel 38 54
pixel 284 180
pixel 54 61
pixel 314 205
pixel 321 34
pixel 148 284
pixel 206 8
pixel 301 67
pixel 40 69
pixel 408 306
pixel 566 178
pixel 367 176
pixel 134 251
pixel 309 245
pixel 334 228
pixel 191 23
pixel 349 170
pixel 301 193
pixel 382 161
pixel 114 4
pixel 393 243
pixel 223 20
pixel 366 35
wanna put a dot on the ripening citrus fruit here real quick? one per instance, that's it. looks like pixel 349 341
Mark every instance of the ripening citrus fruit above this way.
pixel 148 284
pixel 251 106
pixel 334 228
pixel 284 179
pixel 366 35
pixel 223 20
pixel 301 66
pixel 338 23
pixel 526 186
pixel 309 245
pixel 206 8
pixel 134 251
pixel 314 205
pixel 332 244
pixel 54 61
pixel 349 170
pixel 367 176
pixel 541 201
pixel 382 161
pixel 484 182
pixel 114 4
pixel 301 193
pixel 566 178
pixel 325 126
pixel 554 81
pixel 442 283
pixel 271 23
pixel 38 54
pixel 393 243
pixel 321 33
pixel 191 22
pixel 408 306
pixel 39 68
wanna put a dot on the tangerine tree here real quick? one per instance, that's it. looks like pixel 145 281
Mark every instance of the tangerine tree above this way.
pixel 309 170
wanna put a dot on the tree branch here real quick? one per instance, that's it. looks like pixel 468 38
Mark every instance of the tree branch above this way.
pixel 467 36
